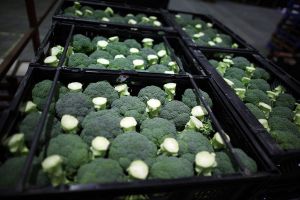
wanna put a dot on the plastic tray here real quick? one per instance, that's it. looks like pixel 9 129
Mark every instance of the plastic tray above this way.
pixel 233 186
pixel 62 33
pixel 287 160
pixel 243 45
pixel 121 9
pixel 147 3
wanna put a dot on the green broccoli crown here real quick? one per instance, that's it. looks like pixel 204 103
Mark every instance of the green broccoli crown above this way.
pixel 79 60
pixel 101 54
pixel 152 92
pixel 96 66
pixel 193 142
pixel 160 46
pixel 240 62
pixel 136 57
pixel 259 84
pixel 225 165
pixel 234 72
pixel 256 111
pixel 81 43
pixel 286 139
pixel 132 43
pixel 166 60
pixel 101 89
pixel 283 112
pixel 72 148
pixel 283 124
pixel 89 117
pixel 285 100
pixel 171 168
pixel 10 171
pixel 100 171
pixel 76 104
pixel 255 96
pixel 214 63
pixel 140 148
pixel 248 162
pixel 158 68
pixel 236 83
pixel 121 63
pixel 190 99
pixel 260 73
pixel 147 51
pixel 177 112
pixel 98 38
pixel 157 129
pixel 116 48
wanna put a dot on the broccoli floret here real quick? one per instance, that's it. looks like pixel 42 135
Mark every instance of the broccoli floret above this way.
pixel 99 14
pixel 234 72
pixel 79 60
pixel 121 63
pixel 132 43
pixel 82 44
pixel 96 66
pixel 283 124
pixel 145 52
pixel 256 111
pixel 101 54
pixel 248 162
pixel 74 151
pixel 171 168
pixel 285 100
pixel 100 171
pixel 259 84
pixel 101 89
pixel 157 129
pixel 130 106
pixel 260 73
pixel 283 112
pixel 214 63
pixel 140 148
pixel 234 83
pixel 116 48
pixel 286 140
pixel 240 62
pixel 158 68
pixel 92 115
pixel 152 92
pixel 256 96
pixel 76 104
pixel 177 112
pixel 225 165
pixel 189 98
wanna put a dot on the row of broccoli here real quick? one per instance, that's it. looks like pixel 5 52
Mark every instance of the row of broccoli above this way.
pixel 203 33
pixel 110 53
pixel 109 15
pixel 275 109
pixel 99 133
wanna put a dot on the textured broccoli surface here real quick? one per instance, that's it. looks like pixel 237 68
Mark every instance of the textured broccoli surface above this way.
pixel 236 83
pixel 177 112
pixel 152 92
pixel 96 66
pixel 171 168
pixel 100 54
pixel 121 63
pixel 234 72
pixel 132 43
pixel 82 44
pixel 255 96
pixel 283 112
pixel 241 62
pixel 248 162
pixel 259 84
pixel 189 98
pixel 214 63
pixel 140 149
pixel 100 171
pixel 116 48
pixel 260 73
pixel 285 100
pixel 225 165
pixel 283 124
pixel 256 111
pixel 158 68
pixel 286 139
pixel 157 129
pixel 79 60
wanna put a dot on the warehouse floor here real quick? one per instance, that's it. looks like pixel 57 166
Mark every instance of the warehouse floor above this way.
pixel 254 24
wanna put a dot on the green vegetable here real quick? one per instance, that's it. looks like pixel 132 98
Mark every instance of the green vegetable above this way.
pixel 285 100
pixel 153 107
pixel 259 84
pixel 69 124
pixel 99 146
pixel 16 144
pixel 283 124
pixel 205 162
pixel 256 96
pixel 225 165
pixel 128 124
pixel 79 60
pixel 53 167
pixel 152 92
pixel 286 139
pixel 169 147
pixel 248 162
pixel 82 44
pixel 138 169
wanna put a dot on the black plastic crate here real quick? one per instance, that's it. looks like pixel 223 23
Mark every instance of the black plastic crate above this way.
pixel 147 3
pixel 121 9
pixel 286 160
pixel 243 45
pixel 233 186
pixel 62 33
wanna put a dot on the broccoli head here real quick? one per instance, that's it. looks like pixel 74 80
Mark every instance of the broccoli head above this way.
pixel 256 111
pixel 260 84
pixel 152 92
pixel 132 43
pixel 116 48
pixel 285 100
pixel 234 72
pixel 100 54
pixel 240 62
pixel 286 139
pixel 131 146
pixel 260 73
pixel 79 60
pixel 283 112
pixel 283 124
pixel 225 165
pixel 121 63
pixel 256 96
pixel 158 68
pixel 190 99
pixel 96 66
pixel 214 63
pixel 82 44
pixel 248 162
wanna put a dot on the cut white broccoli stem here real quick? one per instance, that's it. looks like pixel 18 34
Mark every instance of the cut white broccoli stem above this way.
pixel 147 42
pixel 169 72
pixel 138 169
pixel 128 124
pixel 57 50
pixel 101 44
pixel 297 119
pixel 229 82
pixel 153 107
pixel 162 53
pixel 198 26
pixel 134 50
pixel 99 146
pixel 205 162
pixel 227 60
pixel 272 95
pixel 113 39
pixel 178 16
pixel 53 167
pixel 138 64
pixel 170 90
pixel 75 87
pixel 240 92
pixel 217 141
pixel 194 124
pixel 103 61
pixel 235 45
pixel 153 17
pixel 105 19
pixel 218 40
pixel 184 28
pixel 28 107
pixel 16 144
pixel 279 90
pixel 77 5
pixel 211 43
pixel 88 12
pixel 208 24
pixel 119 56
pixel 132 21
pixel 69 123
pixel 51 60
pixel 250 70
pixel 157 23
pixel 145 19
pixel 264 123
pixel 122 89
pixel 265 108
pixel 129 15
pixel 152 59
pixel 78 13
pixel 109 11
pixel 199 112
pixel 197 35
pixel 99 103
pixel 246 80
pixel 169 147
pixel 173 65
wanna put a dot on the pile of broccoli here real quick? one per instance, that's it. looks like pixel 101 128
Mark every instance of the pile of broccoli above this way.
pixel 100 133
pixel 110 53
pixel 203 33
pixel 274 108
pixel 109 15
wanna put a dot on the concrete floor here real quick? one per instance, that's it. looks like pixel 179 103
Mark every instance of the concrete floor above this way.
pixel 254 24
